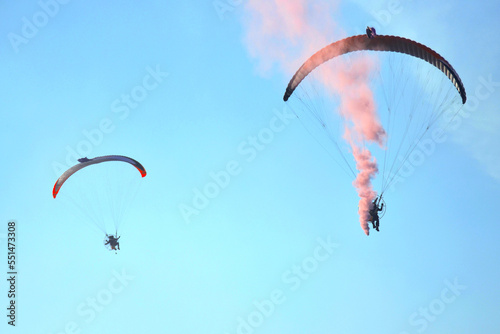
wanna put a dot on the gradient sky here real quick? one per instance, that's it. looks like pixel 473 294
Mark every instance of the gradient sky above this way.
pixel 233 268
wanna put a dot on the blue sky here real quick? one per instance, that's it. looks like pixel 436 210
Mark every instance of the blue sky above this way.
pixel 278 247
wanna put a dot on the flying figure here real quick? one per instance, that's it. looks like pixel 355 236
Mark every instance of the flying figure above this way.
pixel 374 210
pixel 370 32
pixel 113 242
pixel 83 159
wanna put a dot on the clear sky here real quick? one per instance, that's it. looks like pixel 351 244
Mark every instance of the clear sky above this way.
pixel 277 248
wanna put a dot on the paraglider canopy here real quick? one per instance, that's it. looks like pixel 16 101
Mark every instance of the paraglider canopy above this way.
pixel 381 43
pixel 102 194
pixel 85 162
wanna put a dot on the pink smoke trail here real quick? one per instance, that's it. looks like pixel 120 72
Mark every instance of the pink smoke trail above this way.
pixel 282 33
pixel 358 107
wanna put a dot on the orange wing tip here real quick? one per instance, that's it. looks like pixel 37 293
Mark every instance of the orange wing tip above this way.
pixel 143 172
pixel 55 191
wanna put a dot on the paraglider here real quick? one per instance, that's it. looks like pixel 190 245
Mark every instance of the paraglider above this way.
pixel 101 195
pixel 376 207
pixel 112 241
pixel 376 100
pixel 370 32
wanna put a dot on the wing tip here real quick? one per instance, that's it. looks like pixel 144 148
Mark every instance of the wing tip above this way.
pixel 142 171
pixel 288 92
pixel 55 190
